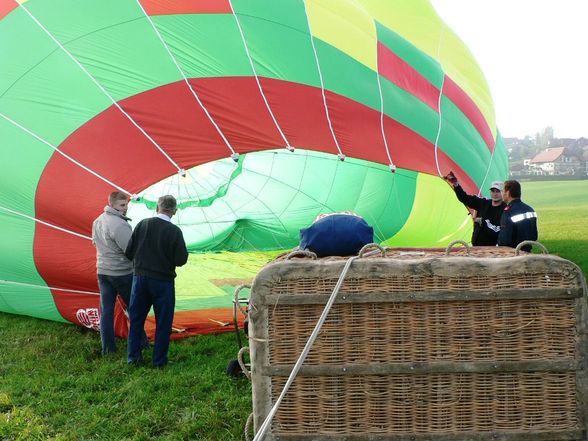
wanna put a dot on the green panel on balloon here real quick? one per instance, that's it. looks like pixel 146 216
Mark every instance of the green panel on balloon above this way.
pixel 24 160
pixel 345 76
pixel 53 106
pixel 271 195
pixel 214 38
pixel 22 290
pixel 278 39
pixel 126 60
pixel 69 20
pixel 18 275
pixel 462 142
pixel 28 45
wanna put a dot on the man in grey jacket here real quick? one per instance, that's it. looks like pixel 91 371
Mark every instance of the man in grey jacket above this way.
pixel 110 235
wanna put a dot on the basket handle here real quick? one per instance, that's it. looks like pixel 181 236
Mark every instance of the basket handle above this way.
pixel 455 242
pixel 530 242
pixel 246 371
pixel 301 253
pixel 375 246
pixel 236 298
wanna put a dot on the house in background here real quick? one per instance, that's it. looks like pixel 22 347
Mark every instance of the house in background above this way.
pixel 555 161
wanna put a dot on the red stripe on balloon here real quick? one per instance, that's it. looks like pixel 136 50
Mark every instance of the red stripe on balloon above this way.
pixel 399 72
pixel 167 7
pixel 71 197
pixel 6 7
pixel 462 100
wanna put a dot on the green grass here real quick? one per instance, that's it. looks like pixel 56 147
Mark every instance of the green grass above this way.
pixel 54 385
pixel 562 209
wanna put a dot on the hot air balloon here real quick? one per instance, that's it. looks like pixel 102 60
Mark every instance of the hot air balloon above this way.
pixel 258 115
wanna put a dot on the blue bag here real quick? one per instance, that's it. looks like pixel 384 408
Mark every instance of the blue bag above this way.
pixel 336 235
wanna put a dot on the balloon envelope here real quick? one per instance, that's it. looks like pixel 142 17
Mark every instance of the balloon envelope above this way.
pixel 258 115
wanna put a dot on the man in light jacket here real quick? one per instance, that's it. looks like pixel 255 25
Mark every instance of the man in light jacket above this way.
pixel 110 235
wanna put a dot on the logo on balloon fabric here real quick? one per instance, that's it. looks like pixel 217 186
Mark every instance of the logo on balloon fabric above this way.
pixel 89 317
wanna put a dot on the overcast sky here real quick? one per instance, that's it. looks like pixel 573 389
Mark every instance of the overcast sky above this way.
pixel 534 54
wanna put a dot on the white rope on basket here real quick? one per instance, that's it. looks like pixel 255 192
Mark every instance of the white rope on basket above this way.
pixel 268 419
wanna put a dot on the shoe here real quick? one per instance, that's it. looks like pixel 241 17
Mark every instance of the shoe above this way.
pixel 161 366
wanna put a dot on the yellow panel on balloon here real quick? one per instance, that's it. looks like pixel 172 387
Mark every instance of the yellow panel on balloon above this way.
pixel 346 26
pixel 437 217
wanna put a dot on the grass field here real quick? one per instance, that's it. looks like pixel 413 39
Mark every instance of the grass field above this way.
pixel 562 209
pixel 54 385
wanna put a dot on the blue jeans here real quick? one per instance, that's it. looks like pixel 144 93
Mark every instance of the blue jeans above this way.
pixel 161 294
pixel 110 286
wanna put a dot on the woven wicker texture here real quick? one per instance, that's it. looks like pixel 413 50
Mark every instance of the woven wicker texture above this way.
pixel 423 343
pixel 439 403
pixel 423 284
pixel 426 332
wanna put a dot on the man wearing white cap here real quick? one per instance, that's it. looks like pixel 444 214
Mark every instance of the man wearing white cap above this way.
pixel 488 211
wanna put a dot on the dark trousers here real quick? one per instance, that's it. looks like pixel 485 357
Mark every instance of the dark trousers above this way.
pixel 110 287
pixel 160 294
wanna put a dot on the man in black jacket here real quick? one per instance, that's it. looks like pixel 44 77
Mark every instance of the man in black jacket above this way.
pixel 156 248
pixel 519 220
pixel 488 211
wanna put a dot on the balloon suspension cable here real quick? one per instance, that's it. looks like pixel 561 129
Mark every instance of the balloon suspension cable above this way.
pixel 26 216
pixel 391 163
pixel 483 184
pixel 185 79
pixel 102 89
pixel 269 109
pixel 65 155
pixel 52 288
pixel 439 102
pixel 320 74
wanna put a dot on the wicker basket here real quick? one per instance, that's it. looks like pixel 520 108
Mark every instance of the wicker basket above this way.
pixel 423 346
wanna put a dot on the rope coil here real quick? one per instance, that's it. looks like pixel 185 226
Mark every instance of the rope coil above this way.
pixel 455 242
pixel 532 243
pixel 364 250
pixel 241 362
pixel 301 253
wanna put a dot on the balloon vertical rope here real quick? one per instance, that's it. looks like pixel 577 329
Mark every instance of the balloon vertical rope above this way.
pixel 439 101
pixel 487 170
pixel 318 66
pixel 44 287
pixel 288 146
pixel 26 216
pixel 390 162
pixel 190 88
pixel 65 155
